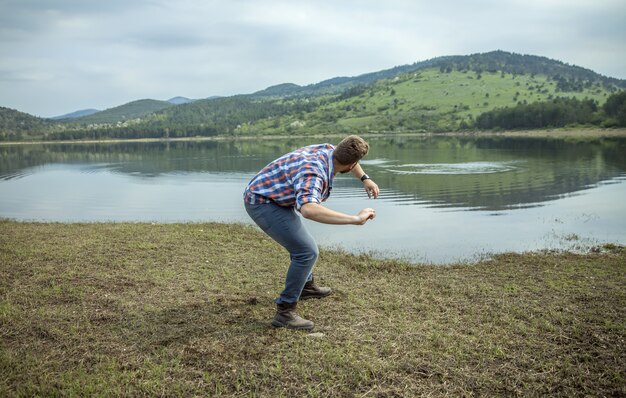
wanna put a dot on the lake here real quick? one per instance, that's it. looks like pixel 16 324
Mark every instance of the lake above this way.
pixel 443 198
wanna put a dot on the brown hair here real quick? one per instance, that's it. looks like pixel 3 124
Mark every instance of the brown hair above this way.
pixel 351 149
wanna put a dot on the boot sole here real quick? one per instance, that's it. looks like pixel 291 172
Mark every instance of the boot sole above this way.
pixel 278 324
pixel 314 297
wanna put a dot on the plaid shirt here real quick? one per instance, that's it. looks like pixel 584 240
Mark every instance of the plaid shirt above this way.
pixel 299 177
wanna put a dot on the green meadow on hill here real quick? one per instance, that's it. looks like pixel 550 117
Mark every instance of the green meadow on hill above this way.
pixel 428 100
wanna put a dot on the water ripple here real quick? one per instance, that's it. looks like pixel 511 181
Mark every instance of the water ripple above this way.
pixel 453 168
pixel 15 175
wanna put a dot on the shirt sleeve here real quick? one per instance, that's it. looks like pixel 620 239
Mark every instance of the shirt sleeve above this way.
pixel 308 189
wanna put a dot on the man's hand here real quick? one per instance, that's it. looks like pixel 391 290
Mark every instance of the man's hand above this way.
pixel 371 188
pixel 365 215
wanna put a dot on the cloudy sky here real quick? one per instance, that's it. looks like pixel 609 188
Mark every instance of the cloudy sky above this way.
pixel 58 56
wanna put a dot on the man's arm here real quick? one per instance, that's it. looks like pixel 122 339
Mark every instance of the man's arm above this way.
pixel 319 213
pixel 370 186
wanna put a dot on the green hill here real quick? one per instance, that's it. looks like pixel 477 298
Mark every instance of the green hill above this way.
pixel 442 94
pixel 130 111
pixel 567 76
pixel 16 125
pixel 427 100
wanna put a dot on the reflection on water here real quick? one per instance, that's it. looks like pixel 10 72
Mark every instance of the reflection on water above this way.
pixel 494 173
pixel 419 178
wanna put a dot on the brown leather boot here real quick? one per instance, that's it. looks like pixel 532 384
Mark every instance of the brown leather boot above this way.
pixel 286 317
pixel 311 290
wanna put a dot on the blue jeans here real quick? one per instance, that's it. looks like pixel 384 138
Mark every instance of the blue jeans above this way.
pixel 285 226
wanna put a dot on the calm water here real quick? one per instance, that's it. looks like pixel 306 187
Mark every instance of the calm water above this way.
pixel 442 198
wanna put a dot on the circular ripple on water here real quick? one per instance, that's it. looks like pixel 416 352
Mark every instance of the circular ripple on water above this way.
pixel 454 168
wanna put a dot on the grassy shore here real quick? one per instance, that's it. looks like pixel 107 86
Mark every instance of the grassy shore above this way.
pixel 184 309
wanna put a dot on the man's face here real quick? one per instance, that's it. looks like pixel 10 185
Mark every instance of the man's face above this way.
pixel 348 169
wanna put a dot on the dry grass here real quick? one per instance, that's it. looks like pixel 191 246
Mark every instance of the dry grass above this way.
pixel 184 309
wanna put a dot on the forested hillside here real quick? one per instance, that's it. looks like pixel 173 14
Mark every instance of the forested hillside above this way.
pixel 443 94
pixel 16 125
pixel 127 112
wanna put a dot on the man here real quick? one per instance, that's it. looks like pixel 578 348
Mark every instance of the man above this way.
pixel 299 182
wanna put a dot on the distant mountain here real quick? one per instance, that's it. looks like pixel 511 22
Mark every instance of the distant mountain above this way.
pixel 130 111
pixel 76 114
pixel 501 61
pixel 442 94
pixel 339 84
pixel 279 90
pixel 12 118
pixel 180 100
pixel 16 125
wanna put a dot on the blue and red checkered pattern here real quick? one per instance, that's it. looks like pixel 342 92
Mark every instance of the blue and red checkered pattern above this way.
pixel 299 177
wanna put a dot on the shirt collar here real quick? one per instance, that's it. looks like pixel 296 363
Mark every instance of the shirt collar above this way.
pixel 331 165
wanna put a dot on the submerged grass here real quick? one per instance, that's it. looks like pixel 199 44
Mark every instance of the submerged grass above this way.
pixel 184 309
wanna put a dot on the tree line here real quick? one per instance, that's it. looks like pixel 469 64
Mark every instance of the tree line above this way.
pixel 568 77
pixel 203 118
pixel 558 112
